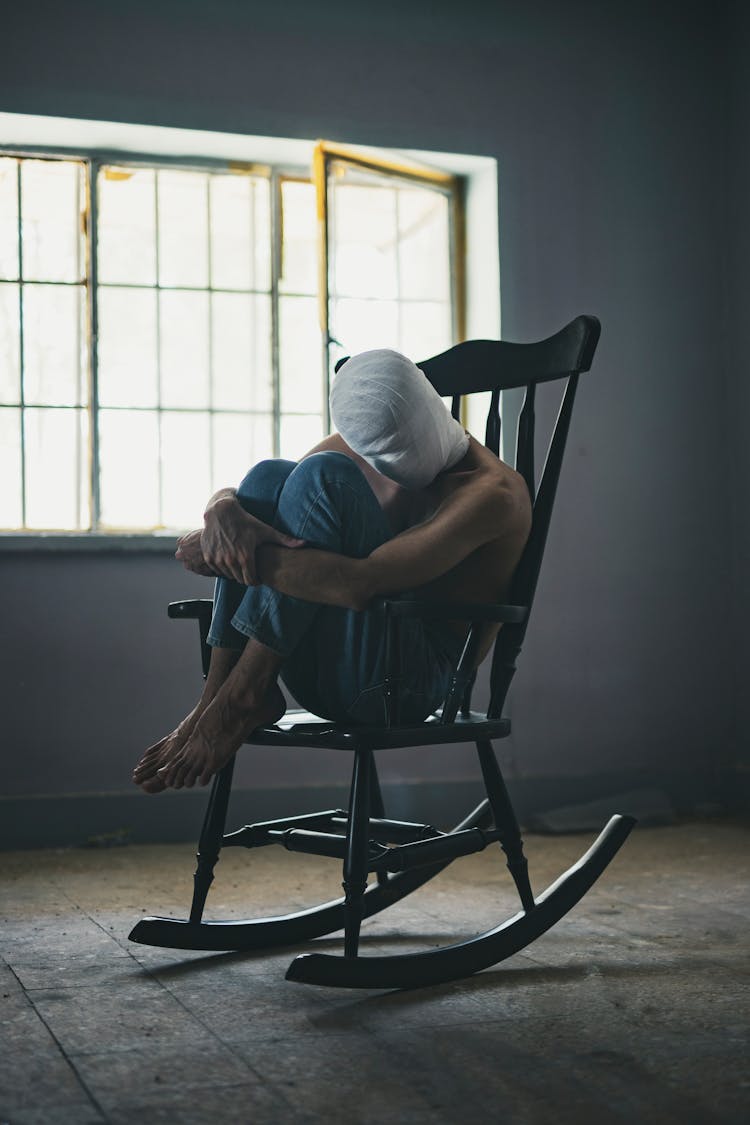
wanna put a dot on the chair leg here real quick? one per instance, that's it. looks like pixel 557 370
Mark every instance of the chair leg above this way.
pixel 506 823
pixel 209 843
pixel 357 841
pixel 377 804
pixel 377 808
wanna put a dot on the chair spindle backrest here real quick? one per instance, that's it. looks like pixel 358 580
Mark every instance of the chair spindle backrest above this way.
pixel 525 441
pixel 494 424
pixel 490 365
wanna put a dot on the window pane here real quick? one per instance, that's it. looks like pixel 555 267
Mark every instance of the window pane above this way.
pixel 10 468
pixel 185 473
pixel 51 205
pixel 8 217
pixel 425 329
pixel 10 384
pixel 183 228
pixel 56 446
pixel 390 250
pixel 299 251
pixel 299 433
pixel 127 226
pixel 127 347
pixel 364 255
pixel 240 232
pixel 423 248
pixel 241 351
pixel 129 468
pixel 361 325
pixel 239 442
pixel 300 354
pixel 183 331
pixel 54 342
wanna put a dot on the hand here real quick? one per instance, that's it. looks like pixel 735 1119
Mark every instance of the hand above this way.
pixel 230 537
pixel 190 554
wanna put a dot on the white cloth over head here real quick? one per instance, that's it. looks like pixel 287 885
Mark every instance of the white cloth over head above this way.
pixel 388 412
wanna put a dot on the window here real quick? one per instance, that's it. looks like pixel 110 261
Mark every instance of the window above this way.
pixel 393 254
pixel 184 373
pixel 164 325
pixel 44 345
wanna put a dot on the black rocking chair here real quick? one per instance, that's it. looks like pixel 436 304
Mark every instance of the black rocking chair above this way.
pixel 404 856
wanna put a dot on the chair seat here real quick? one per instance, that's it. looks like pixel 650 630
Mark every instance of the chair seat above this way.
pixel 302 728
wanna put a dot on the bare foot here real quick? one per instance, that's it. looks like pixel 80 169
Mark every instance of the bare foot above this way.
pixel 218 735
pixel 162 752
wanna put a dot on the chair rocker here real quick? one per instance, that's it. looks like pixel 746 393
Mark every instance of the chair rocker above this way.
pixel 404 856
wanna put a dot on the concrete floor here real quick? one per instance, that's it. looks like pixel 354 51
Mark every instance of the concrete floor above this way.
pixel 634 1009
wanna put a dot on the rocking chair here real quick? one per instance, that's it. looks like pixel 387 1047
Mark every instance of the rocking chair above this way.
pixel 404 856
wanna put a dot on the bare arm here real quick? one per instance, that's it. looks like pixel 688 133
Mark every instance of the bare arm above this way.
pixel 226 544
pixel 228 541
pixel 467 518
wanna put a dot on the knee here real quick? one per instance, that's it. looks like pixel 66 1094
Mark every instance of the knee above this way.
pixel 328 502
pixel 321 468
pixel 264 481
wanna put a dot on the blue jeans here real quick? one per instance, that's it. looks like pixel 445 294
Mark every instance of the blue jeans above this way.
pixel 333 658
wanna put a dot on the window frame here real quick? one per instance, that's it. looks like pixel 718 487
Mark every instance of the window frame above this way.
pixel 328 153
pixel 324 153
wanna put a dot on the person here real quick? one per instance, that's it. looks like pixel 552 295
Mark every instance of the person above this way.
pixel 399 499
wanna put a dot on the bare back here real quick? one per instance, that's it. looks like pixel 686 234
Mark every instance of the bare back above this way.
pixel 485 574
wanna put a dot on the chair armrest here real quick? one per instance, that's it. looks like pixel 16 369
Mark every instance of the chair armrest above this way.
pixel 200 610
pixel 193 608
pixel 451 611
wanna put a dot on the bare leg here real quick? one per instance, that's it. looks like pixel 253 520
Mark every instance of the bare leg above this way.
pixel 223 661
pixel 248 698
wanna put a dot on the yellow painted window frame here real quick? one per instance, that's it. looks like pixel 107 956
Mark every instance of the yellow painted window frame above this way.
pixel 327 153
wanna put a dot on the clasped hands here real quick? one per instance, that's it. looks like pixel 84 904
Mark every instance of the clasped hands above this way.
pixel 225 546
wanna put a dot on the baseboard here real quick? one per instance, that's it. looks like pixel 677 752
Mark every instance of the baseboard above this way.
pixel 115 819
pixel 737 790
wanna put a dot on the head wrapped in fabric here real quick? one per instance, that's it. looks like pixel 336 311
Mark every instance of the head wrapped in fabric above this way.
pixel 389 413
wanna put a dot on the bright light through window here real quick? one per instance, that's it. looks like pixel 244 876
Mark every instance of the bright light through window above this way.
pixel 210 354
pixel 390 264
pixel 44 355
pixel 184 338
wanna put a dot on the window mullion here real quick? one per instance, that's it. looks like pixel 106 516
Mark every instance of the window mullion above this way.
pixel 322 201
pixel 276 251
pixel 160 494
pixel 397 218
pixel 457 249
pixel 211 358
pixel 21 349
pixel 92 236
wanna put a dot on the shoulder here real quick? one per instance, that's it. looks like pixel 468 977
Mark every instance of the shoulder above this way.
pixel 480 472
pixel 492 489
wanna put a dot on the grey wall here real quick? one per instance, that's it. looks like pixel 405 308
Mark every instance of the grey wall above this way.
pixel 608 125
